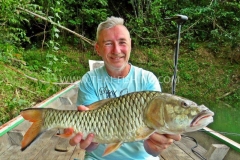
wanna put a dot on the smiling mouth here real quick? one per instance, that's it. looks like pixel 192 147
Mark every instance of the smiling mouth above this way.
pixel 117 57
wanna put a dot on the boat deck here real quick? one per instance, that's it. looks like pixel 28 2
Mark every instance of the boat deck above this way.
pixel 49 146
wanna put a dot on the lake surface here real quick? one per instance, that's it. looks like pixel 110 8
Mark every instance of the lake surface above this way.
pixel 226 120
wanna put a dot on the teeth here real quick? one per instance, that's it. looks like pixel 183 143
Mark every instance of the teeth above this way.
pixel 116 58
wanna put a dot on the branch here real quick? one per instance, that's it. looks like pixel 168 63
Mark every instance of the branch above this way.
pixel 226 94
pixel 17 60
pixel 38 80
pixel 44 35
pixel 91 42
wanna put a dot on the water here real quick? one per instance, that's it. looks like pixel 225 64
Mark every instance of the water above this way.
pixel 226 120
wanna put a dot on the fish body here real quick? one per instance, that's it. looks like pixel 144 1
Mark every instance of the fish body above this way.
pixel 131 117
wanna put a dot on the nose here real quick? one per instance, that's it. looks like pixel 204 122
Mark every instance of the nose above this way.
pixel 116 49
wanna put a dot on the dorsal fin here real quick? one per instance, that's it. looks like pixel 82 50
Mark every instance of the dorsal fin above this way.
pixel 99 103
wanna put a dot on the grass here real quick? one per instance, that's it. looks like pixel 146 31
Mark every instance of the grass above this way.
pixel 201 76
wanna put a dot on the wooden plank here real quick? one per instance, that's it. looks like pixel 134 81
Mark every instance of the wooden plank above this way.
pixel 189 143
pixel 174 153
pixel 15 151
pixel 65 100
pixel 49 152
pixel 67 155
pixel 4 144
pixel 78 154
pixel 43 141
pixel 186 144
pixel 62 145
pixel 217 151
pixel 11 153
pixel 16 136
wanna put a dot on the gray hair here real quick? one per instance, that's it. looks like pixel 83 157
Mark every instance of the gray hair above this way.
pixel 109 23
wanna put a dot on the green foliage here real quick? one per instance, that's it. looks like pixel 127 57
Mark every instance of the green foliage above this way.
pixel 215 22
pixel 11 28
pixel 212 25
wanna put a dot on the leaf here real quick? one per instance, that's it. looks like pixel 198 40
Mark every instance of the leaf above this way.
pixel 55 48
pixel 56 35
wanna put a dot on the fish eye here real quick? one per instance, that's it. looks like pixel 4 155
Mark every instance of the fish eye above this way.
pixel 184 104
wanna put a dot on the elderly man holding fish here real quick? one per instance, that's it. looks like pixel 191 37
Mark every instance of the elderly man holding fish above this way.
pixel 124 114
pixel 116 78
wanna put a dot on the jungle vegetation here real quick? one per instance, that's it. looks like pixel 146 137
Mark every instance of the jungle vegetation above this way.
pixel 39 57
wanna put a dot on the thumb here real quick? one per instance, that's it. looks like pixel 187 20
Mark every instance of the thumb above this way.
pixel 82 108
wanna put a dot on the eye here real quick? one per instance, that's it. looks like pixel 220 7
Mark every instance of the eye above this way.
pixel 108 44
pixel 122 42
pixel 184 104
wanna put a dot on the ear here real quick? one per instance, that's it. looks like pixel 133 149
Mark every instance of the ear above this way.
pixel 96 46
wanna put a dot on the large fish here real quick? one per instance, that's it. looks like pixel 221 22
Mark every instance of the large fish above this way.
pixel 131 117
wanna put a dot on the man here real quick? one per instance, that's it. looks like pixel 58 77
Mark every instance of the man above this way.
pixel 117 77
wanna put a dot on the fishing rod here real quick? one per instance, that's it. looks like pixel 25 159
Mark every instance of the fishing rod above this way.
pixel 180 19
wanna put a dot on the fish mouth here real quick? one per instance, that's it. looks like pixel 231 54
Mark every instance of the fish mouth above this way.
pixel 205 115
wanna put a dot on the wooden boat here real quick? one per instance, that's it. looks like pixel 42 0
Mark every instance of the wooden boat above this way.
pixel 211 145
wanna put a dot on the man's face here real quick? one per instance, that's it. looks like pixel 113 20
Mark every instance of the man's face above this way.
pixel 114 46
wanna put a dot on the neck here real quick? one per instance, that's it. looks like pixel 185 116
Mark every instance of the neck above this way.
pixel 119 73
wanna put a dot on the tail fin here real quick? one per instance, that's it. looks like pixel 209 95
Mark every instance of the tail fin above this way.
pixel 33 115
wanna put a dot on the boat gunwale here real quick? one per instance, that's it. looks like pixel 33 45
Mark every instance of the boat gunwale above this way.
pixel 8 126
pixel 225 140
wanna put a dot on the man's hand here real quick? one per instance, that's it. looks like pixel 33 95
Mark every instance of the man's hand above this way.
pixel 86 144
pixel 156 143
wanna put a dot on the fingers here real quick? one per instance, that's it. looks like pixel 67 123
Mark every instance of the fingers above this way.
pixel 176 137
pixel 164 138
pixel 158 142
pixel 92 147
pixel 82 108
pixel 85 143
pixel 76 139
pixel 151 148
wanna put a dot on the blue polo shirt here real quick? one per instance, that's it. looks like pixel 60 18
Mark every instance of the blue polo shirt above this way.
pixel 97 85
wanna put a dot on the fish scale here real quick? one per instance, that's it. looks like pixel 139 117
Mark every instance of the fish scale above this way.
pixel 131 117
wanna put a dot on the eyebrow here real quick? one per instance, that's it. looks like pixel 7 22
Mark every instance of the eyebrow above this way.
pixel 120 39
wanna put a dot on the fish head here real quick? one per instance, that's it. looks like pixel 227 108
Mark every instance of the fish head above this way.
pixel 175 115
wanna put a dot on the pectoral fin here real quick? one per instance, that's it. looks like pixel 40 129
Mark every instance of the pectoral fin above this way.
pixel 67 132
pixel 143 133
pixel 112 147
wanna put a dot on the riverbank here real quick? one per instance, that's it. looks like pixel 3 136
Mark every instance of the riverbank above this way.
pixel 30 76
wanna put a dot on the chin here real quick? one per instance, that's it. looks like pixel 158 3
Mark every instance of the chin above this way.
pixel 118 66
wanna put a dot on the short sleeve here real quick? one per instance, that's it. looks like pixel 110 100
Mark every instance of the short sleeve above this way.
pixel 153 83
pixel 86 91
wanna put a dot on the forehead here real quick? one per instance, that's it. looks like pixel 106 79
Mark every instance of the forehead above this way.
pixel 115 33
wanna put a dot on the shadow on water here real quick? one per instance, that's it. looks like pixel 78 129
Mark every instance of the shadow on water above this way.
pixel 226 120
